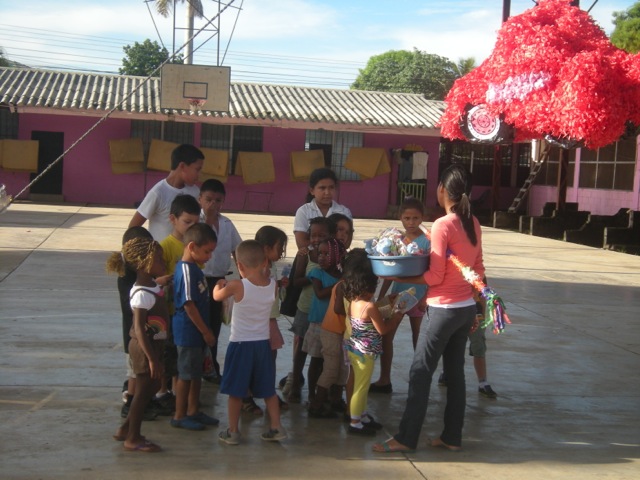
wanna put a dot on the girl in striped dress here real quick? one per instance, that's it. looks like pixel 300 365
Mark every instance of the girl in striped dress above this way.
pixel 365 327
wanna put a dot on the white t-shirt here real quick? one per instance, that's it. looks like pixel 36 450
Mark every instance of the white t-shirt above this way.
pixel 144 296
pixel 156 207
pixel 250 317
pixel 310 210
pixel 228 240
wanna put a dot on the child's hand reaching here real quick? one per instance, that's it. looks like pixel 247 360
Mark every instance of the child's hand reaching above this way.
pixel 165 280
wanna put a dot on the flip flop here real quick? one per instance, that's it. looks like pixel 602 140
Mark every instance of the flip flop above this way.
pixel 146 446
pixel 384 447
pixel 438 443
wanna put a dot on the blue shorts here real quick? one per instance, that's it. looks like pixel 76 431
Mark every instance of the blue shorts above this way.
pixel 248 367
pixel 190 360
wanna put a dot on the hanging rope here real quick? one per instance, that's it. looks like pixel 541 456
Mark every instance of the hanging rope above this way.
pixel 11 199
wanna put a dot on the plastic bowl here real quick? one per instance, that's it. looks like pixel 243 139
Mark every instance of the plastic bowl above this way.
pixel 399 266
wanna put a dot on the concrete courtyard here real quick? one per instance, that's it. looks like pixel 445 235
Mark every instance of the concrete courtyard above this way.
pixel 567 371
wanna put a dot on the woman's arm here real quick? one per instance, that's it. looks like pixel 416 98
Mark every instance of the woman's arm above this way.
pixel 386 283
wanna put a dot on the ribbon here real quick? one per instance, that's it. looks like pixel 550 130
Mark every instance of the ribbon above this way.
pixel 496 312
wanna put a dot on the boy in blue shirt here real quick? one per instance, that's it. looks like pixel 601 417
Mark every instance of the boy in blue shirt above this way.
pixel 191 329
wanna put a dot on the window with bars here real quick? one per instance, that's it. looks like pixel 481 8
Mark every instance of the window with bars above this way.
pixel 610 168
pixel 8 123
pixel 147 130
pixel 336 146
pixel 234 139
pixel 478 159
pixel 548 175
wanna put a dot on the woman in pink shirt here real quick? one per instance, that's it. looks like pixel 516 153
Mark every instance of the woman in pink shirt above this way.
pixel 450 315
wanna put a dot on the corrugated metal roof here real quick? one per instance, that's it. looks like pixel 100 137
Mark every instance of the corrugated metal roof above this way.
pixel 28 89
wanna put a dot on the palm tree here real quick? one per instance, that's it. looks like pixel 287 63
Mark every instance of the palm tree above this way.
pixel 194 9
pixel 465 65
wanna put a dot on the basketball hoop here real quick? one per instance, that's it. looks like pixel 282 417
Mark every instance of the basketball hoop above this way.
pixel 195 104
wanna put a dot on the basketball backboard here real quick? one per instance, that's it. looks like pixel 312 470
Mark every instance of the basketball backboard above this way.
pixel 201 87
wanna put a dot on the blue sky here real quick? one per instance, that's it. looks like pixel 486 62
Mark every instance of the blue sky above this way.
pixel 307 42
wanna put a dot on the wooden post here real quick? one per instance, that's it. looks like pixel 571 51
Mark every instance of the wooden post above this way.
pixel 496 179
pixel 563 168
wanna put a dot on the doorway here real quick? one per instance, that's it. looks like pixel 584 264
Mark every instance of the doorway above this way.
pixel 51 146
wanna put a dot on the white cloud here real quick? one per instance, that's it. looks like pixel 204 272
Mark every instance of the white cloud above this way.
pixel 284 19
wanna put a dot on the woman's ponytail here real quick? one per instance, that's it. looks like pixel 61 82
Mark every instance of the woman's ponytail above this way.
pixel 456 180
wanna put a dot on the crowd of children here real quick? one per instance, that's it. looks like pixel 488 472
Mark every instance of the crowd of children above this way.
pixel 173 289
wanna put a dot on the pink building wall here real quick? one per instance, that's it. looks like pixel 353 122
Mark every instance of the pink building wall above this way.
pixel 87 176
pixel 598 202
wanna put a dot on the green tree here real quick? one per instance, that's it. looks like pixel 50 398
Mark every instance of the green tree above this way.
pixel 143 58
pixel 408 72
pixel 465 65
pixel 626 34
pixel 4 62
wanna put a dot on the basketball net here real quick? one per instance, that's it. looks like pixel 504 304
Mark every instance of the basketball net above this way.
pixel 195 104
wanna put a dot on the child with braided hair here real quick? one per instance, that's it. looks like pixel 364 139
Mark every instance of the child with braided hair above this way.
pixel 329 271
pixel 149 330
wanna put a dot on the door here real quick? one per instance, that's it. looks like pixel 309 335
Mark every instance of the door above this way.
pixel 51 146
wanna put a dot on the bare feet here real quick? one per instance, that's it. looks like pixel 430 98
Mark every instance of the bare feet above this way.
pixel 143 445
pixel 438 443
pixel 391 446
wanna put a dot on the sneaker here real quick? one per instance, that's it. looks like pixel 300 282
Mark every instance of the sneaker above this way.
pixel 487 391
pixel 204 419
pixel 249 405
pixel 160 409
pixel 286 386
pixel 228 437
pixel 167 400
pixel 442 380
pixel 295 397
pixel 274 435
pixel 322 412
pixel 340 406
pixel 287 380
pixel 283 380
pixel 187 423
pixel 364 431
pixel 148 415
pixel 283 405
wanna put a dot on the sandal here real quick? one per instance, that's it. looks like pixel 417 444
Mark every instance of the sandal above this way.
pixel 250 406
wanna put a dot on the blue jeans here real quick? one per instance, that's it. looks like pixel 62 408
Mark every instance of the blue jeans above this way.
pixel 443 335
